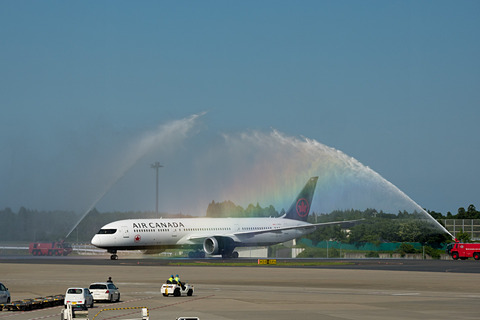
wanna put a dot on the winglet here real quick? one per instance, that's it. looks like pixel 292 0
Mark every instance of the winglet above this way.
pixel 300 208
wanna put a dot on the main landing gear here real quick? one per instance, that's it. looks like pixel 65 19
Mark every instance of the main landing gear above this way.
pixel 114 254
pixel 233 255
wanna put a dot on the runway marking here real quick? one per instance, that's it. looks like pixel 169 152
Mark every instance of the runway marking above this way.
pixel 56 314
pixel 16 313
pixel 44 317
pixel 165 306
pixel 406 294
pixel 117 316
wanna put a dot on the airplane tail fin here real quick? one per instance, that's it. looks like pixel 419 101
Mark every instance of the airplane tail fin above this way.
pixel 301 206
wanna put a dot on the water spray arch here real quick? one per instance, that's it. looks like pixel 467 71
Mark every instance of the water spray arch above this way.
pixel 259 167
pixel 164 135
pixel 271 165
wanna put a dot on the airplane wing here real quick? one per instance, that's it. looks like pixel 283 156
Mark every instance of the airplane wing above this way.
pixel 249 234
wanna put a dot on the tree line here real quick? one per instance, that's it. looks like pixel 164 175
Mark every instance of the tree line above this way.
pixel 378 226
pixel 230 209
pixel 470 213
pixel 33 225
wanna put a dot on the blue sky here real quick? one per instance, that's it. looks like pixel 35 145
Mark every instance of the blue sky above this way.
pixel 393 84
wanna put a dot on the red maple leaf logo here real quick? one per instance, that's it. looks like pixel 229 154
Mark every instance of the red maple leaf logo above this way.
pixel 302 207
pixel 137 238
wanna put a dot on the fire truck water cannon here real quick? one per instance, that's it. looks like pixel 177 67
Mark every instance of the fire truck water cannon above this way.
pixel 463 251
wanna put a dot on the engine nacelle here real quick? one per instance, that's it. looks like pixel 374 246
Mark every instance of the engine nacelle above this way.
pixel 218 245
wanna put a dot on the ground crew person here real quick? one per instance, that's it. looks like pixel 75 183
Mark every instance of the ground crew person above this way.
pixel 171 279
pixel 177 279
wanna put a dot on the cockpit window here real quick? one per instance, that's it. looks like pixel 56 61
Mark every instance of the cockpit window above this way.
pixel 107 231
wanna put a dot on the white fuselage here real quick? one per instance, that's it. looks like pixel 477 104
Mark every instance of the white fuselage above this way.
pixel 145 234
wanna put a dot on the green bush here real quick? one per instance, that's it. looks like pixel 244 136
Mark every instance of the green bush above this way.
pixel 372 254
pixel 406 248
pixel 319 253
pixel 434 253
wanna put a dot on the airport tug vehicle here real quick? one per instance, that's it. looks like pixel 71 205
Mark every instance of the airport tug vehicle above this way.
pixel 176 290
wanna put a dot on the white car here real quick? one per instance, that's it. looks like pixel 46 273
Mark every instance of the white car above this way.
pixel 104 291
pixel 4 294
pixel 79 296
pixel 176 290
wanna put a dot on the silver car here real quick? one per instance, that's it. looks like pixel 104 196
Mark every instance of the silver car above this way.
pixel 4 294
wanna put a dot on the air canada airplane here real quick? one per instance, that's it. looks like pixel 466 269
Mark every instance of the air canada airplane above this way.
pixel 212 236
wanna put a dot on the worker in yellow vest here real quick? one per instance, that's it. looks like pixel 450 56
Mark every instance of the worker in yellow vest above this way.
pixel 177 279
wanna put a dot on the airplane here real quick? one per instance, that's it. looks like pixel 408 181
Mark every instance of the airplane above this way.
pixel 210 236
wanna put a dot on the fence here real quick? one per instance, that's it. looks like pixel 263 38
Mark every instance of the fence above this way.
pixel 470 226
pixel 388 246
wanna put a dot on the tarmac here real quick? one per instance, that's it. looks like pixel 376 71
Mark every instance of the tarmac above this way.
pixel 369 290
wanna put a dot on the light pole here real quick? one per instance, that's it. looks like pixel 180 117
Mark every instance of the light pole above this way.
pixel 156 166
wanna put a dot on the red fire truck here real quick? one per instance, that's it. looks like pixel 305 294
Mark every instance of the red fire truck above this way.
pixel 463 251
pixel 49 248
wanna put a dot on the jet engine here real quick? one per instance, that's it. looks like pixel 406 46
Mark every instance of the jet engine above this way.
pixel 218 245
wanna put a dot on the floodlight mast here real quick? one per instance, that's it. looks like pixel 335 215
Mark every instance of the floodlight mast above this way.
pixel 156 166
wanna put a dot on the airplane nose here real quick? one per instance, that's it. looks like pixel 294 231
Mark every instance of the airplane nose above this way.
pixel 95 241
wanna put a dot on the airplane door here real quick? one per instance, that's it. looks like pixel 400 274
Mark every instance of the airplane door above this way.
pixel 280 234
pixel 174 232
pixel 124 231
